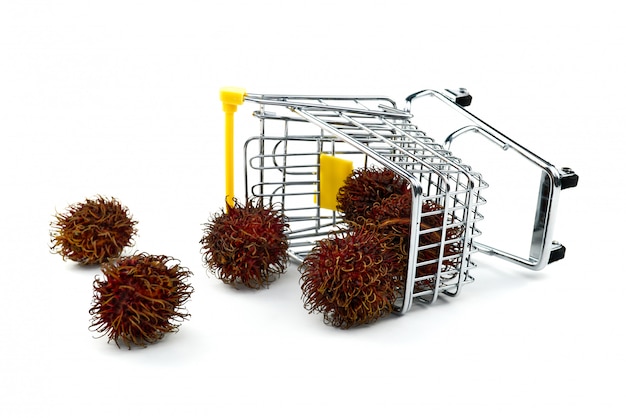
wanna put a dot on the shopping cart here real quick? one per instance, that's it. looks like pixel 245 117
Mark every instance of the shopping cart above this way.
pixel 308 145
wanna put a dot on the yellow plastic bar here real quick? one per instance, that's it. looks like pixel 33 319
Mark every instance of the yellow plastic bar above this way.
pixel 333 173
pixel 231 97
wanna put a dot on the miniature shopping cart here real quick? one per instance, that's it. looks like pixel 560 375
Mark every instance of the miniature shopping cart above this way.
pixel 308 145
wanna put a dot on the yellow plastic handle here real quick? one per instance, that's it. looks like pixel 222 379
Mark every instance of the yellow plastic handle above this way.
pixel 231 97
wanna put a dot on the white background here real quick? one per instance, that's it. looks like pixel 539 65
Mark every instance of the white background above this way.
pixel 121 99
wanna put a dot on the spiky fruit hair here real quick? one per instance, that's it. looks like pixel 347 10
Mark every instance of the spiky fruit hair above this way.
pixel 348 277
pixel 365 187
pixel 246 244
pixel 93 231
pixel 140 299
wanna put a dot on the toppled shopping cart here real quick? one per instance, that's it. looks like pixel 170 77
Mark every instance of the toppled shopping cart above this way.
pixel 308 146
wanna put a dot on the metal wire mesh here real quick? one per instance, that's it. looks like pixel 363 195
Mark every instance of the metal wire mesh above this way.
pixel 282 165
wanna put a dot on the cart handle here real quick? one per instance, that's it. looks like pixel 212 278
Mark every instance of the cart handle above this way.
pixel 542 250
pixel 231 97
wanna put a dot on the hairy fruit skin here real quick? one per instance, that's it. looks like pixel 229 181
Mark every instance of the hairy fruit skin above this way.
pixel 349 278
pixel 92 232
pixel 380 197
pixel 367 186
pixel 140 299
pixel 246 244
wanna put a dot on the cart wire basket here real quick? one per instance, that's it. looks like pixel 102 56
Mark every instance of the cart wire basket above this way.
pixel 308 146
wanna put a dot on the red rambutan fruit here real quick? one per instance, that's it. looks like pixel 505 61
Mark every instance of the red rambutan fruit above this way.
pixel 367 186
pixel 381 197
pixel 431 224
pixel 140 299
pixel 246 244
pixel 93 231
pixel 348 278
pixel 392 216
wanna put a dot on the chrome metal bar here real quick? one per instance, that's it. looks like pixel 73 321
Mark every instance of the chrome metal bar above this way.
pixel 541 251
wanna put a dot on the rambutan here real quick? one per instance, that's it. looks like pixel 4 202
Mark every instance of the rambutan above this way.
pixel 381 197
pixel 432 223
pixel 349 278
pixel 246 244
pixel 92 232
pixel 140 299
pixel 365 187
pixel 392 217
